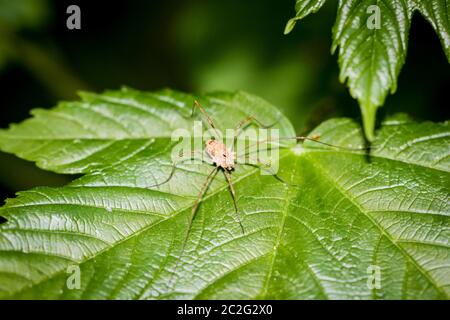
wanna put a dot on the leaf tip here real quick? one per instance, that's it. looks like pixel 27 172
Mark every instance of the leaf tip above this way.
pixel 289 26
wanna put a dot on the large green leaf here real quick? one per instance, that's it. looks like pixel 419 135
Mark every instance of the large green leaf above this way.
pixel 315 236
pixel 437 12
pixel 371 57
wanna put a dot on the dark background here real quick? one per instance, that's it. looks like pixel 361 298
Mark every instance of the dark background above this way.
pixel 195 46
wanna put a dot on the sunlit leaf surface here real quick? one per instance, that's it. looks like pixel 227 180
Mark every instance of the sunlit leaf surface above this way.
pixel 339 215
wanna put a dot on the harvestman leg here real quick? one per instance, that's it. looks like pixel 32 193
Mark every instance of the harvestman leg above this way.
pixel 205 186
pixel 245 122
pixel 237 130
pixel 233 195
pixel 303 138
pixel 240 125
pixel 226 173
pixel 201 193
pixel 265 166
pixel 208 119
pixel 297 138
pixel 174 167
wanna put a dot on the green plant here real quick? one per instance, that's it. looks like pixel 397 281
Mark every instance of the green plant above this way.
pixel 371 57
pixel 315 237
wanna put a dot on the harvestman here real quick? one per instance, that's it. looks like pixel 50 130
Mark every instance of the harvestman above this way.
pixel 224 158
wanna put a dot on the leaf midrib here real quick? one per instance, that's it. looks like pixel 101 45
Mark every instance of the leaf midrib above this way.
pixel 279 236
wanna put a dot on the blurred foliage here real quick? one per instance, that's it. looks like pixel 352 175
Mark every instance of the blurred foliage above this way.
pixel 4 53
pixel 23 13
pixel 252 54
pixel 18 15
pixel 196 46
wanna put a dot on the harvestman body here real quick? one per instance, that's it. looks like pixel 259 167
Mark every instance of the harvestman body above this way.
pixel 220 154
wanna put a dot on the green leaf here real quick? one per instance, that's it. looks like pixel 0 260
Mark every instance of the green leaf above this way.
pixel 303 8
pixel 437 12
pixel 339 213
pixel 371 55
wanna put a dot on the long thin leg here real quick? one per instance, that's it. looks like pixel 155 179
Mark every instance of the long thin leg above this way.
pixel 298 138
pixel 203 111
pixel 247 121
pixel 266 166
pixel 233 195
pixel 205 186
pixel 314 139
pixel 203 189
pixel 275 175
pixel 174 167
pixel 244 123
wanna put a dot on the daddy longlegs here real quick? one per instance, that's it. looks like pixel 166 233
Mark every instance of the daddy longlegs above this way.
pixel 224 159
